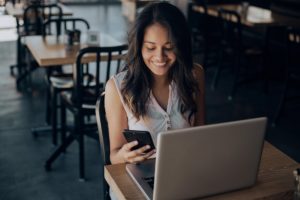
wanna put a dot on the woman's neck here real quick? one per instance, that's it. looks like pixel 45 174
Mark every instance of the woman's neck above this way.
pixel 160 81
pixel 160 91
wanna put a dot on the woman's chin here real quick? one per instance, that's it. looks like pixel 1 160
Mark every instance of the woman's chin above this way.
pixel 160 72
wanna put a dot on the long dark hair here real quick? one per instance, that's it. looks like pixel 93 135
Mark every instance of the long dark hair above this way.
pixel 138 80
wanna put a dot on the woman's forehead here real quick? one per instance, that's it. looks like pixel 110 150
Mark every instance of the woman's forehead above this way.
pixel 157 33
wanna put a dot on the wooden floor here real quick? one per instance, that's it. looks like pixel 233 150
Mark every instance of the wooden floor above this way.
pixel 22 156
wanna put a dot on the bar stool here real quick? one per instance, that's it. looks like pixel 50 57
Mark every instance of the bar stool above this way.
pixel 232 43
pixel 292 71
pixel 204 31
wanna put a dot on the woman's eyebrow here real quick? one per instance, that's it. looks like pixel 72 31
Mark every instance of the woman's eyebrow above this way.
pixel 155 43
pixel 149 42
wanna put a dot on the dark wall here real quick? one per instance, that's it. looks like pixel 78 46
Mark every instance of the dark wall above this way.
pixel 288 7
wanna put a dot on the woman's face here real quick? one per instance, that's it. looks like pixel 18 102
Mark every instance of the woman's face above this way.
pixel 157 50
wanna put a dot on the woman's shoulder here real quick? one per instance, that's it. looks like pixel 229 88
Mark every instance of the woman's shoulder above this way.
pixel 118 78
pixel 198 72
pixel 120 75
pixel 115 81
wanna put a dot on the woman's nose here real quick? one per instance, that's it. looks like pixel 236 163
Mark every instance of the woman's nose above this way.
pixel 159 55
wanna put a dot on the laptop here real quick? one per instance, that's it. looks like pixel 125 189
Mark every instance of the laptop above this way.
pixel 202 161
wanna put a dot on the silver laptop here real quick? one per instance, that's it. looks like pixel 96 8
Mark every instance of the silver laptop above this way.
pixel 202 161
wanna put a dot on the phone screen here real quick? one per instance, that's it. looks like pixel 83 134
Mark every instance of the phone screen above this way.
pixel 143 138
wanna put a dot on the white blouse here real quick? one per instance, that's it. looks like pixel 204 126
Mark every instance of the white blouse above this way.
pixel 157 120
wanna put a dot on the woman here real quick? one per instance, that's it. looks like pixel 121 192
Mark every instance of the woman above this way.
pixel 159 89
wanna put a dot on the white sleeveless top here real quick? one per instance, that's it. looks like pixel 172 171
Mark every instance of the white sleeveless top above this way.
pixel 157 119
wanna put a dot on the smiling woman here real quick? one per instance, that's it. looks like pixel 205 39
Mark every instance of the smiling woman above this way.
pixel 157 50
pixel 159 88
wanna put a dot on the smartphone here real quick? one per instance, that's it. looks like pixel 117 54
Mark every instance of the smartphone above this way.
pixel 143 138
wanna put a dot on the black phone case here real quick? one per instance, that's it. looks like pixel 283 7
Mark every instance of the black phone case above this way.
pixel 143 138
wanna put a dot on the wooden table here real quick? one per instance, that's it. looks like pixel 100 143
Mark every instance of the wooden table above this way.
pixel 17 10
pixel 275 179
pixel 255 16
pixel 50 51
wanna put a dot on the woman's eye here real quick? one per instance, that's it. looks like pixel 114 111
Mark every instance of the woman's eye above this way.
pixel 169 49
pixel 150 48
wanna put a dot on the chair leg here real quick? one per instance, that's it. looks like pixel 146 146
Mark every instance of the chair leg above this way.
pixel 205 54
pixel 105 190
pixel 48 105
pixel 25 69
pixel 48 114
pixel 24 74
pixel 281 105
pixel 53 114
pixel 63 122
pixel 219 67
pixel 266 76
pixel 79 120
pixel 12 73
pixel 58 151
pixel 236 76
pixel 62 148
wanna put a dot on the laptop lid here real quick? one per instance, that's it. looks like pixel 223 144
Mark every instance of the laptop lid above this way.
pixel 205 160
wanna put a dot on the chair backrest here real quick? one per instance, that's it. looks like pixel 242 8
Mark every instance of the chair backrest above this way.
pixel 292 49
pixel 63 24
pixel 293 36
pixel 198 19
pixel 201 4
pixel 103 129
pixel 104 140
pixel 100 60
pixel 35 15
pixel 231 27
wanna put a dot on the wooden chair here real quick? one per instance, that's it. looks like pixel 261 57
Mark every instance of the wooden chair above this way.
pixel 104 140
pixel 204 33
pixel 59 27
pixel 82 99
pixel 292 72
pixel 57 79
pixel 33 18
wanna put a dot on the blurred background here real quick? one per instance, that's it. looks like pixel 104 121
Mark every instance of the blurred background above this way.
pixel 251 62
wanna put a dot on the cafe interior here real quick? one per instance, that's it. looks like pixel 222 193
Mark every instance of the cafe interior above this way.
pixel 50 49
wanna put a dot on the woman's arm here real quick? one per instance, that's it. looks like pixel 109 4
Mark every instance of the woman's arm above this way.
pixel 200 98
pixel 120 150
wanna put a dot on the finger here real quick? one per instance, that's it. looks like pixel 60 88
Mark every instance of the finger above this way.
pixel 138 152
pixel 143 149
pixel 129 145
pixel 137 159
pixel 132 154
pixel 142 157
pixel 150 153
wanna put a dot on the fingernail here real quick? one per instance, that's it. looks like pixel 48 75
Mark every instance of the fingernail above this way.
pixel 135 142
pixel 147 147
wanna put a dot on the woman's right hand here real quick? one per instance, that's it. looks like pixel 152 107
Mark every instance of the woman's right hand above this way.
pixel 135 156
